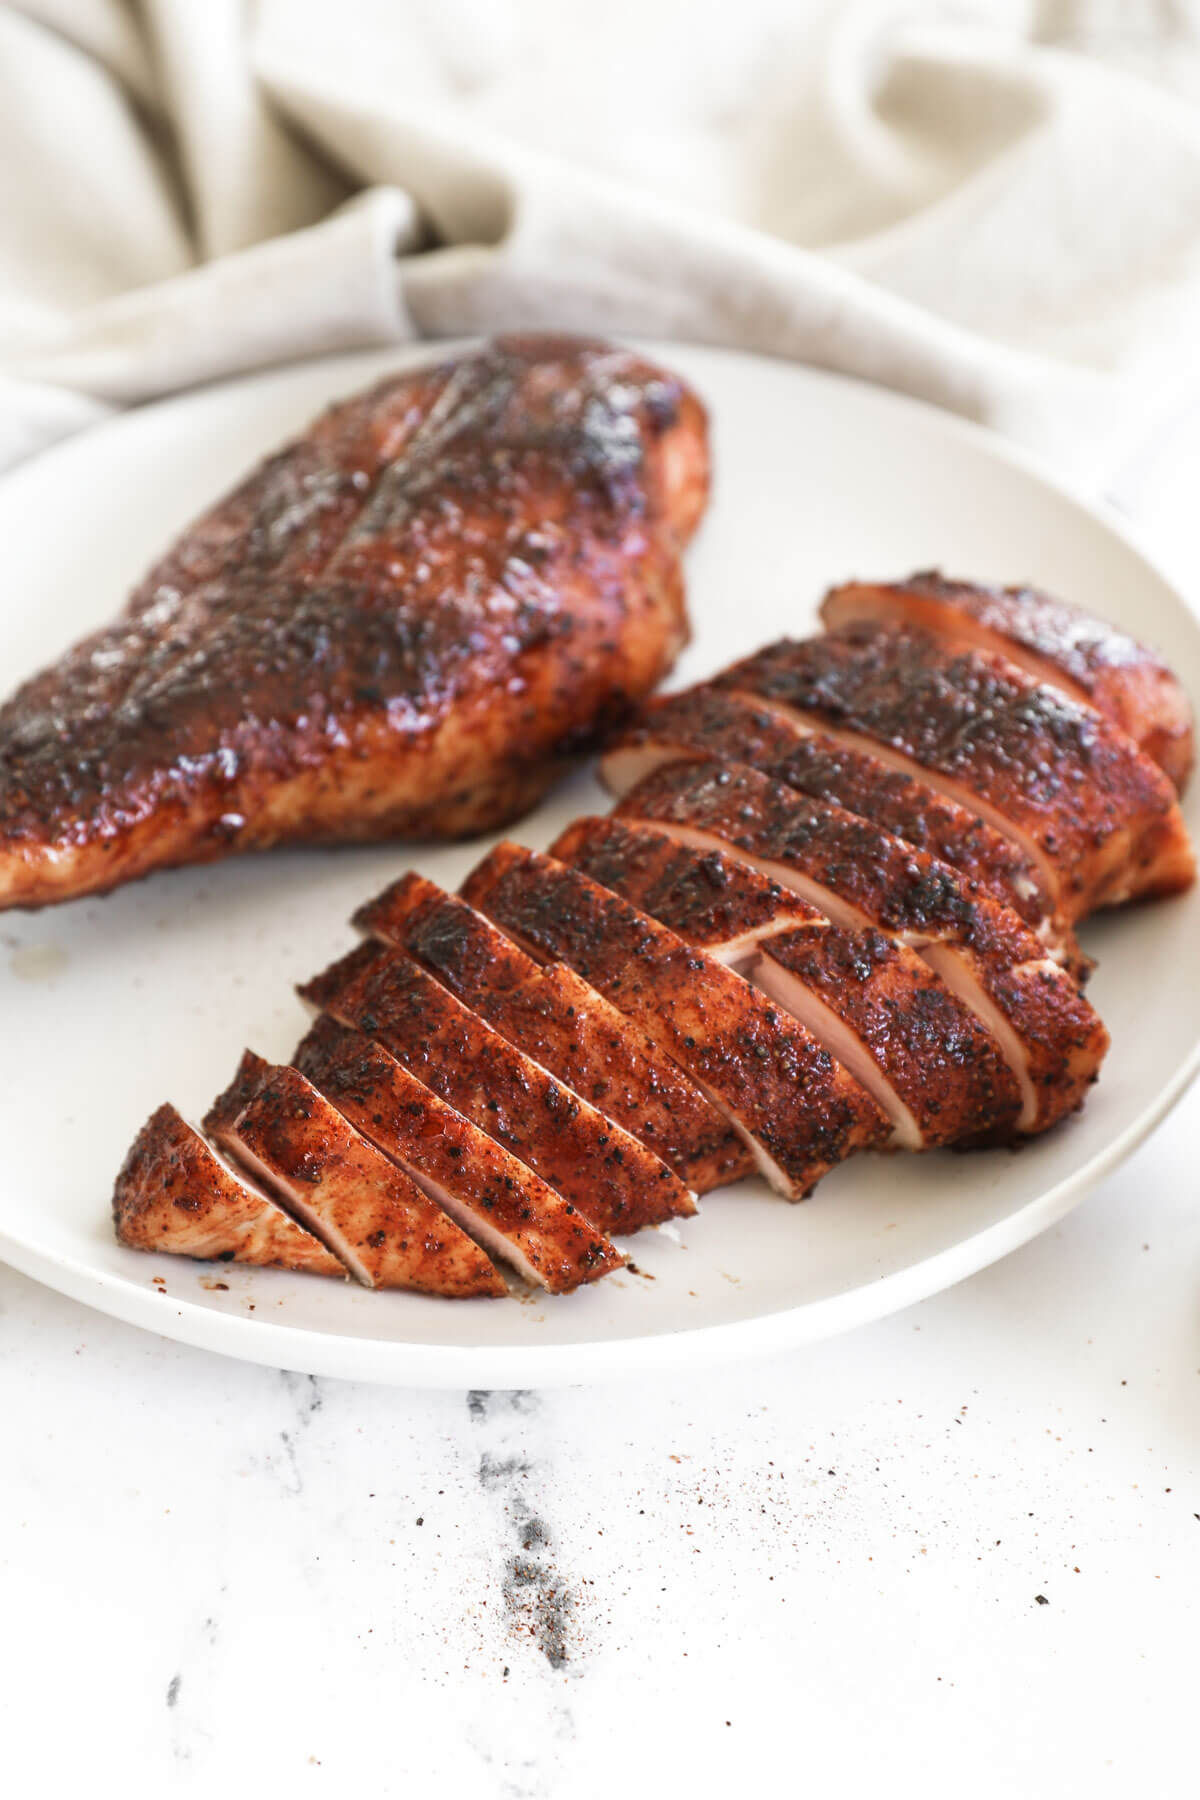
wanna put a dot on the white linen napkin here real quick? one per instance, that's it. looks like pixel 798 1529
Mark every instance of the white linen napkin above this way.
pixel 994 207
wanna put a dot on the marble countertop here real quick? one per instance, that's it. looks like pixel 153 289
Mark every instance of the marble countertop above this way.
pixel 960 1548
pixel 963 1540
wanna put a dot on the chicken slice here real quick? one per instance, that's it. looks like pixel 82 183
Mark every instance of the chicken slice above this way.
pixel 1097 819
pixel 459 939
pixel 174 1193
pixel 554 1016
pixel 1086 658
pixel 511 1211
pixel 371 1214
pixel 862 877
pixel 940 1077
pixel 708 722
pixel 872 1001
pixel 452 1050
pixel 794 1106
pixel 722 906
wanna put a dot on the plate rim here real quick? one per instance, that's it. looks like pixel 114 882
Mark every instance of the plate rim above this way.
pixel 408 1363
pixel 396 1362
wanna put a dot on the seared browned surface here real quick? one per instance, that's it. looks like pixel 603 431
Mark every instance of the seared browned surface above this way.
pixel 859 875
pixel 1099 819
pixel 710 722
pixel 348 972
pixel 797 1109
pixel 554 1016
pixel 942 1078
pixel 1073 650
pixel 571 1145
pixel 475 960
pixel 872 1001
pixel 442 930
pixel 398 626
pixel 721 905
pixel 236 1096
pixel 385 1229
pixel 173 1194
pixel 512 1211
pixel 851 865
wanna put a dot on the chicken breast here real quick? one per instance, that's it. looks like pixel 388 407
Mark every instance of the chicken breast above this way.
pixel 921 1053
pixel 862 877
pixel 708 722
pixel 798 1111
pixel 370 1214
pixel 1099 820
pixel 175 1194
pixel 471 957
pixel 497 1199
pixel 1072 650
pixel 399 627
pixel 709 899
pixel 554 1016
pixel 870 1000
pixel 580 1152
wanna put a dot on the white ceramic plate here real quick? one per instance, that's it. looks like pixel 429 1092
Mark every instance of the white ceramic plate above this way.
pixel 111 1006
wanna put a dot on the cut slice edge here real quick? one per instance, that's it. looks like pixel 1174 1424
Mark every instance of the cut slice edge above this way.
pixel 645 866
pixel 268 1138
pixel 542 1007
pixel 481 967
pixel 492 888
pixel 1049 879
pixel 560 1231
pixel 738 727
pixel 952 962
pixel 873 1003
pixel 176 1193
pixel 797 998
pixel 1046 638
pixel 324 1055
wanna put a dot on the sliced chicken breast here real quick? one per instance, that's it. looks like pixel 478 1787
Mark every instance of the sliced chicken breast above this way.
pixel 580 1152
pixel 872 1001
pixel 794 1106
pixel 708 722
pixel 175 1193
pixel 722 906
pixel 862 877
pixel 915 1046
pixel 496 1199
pixel 1083 656
pixel 1097 818
pixel 455 937
pixel 554 1016
pixel 370 1213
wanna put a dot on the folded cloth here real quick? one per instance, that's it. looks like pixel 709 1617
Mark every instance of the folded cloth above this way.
pixel 992 207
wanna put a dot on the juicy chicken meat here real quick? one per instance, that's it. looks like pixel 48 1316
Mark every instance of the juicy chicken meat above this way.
pixel 798 1111
pixel 494 1197
pixel 722 906
pixel 862 877
pixel 582 1154
pixel 708 722
pixel 870 1000
pixel 940 1077
pixel 1098 820
pixel 471 957
pixel 398 627
pixel 373 1217
pixel 174 1193
pixel 553 1015
pixel 1086 658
